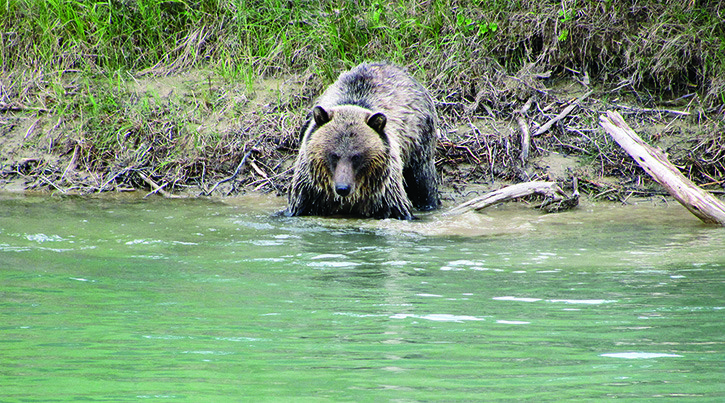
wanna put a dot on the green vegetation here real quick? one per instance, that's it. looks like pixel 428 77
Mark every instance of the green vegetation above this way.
pixel 676 43
pixel 81 70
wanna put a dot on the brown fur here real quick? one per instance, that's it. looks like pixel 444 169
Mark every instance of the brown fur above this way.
pixel 367 148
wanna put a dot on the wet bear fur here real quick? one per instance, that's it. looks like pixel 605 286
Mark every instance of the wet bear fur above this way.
pixel 367 148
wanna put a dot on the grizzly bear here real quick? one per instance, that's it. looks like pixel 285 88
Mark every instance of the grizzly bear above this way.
pixel 367 148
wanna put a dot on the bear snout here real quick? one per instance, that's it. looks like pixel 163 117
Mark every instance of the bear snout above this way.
pixel 343 189
pixel 344 178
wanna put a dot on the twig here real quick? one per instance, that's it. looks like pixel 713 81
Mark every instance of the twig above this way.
pixel 72 163
pixel 51 183
pixel 258 170
pixel 159 189
pixel 236 171
pixel 262 174
pixel 546 126
pixel 17 107
pixel 716 182
pixel 116 175
pixel 156 188
pixel 31 129
pixel 649 110
pixel 526 134
pixel 606 192
pixel 478 135
pixel 544 91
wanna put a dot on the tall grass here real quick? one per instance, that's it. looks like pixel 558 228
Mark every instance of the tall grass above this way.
pixel 672 44
pixel 673 39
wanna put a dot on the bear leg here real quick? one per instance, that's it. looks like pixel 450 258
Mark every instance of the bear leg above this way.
pixel 421 186
pixel 419 172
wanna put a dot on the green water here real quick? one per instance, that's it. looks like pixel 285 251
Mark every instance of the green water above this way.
pixel 199 301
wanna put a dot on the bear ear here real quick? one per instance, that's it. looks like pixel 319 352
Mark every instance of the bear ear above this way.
pixel 321 116
pixel 377 122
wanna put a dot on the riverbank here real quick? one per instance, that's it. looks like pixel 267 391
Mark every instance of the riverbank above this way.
pixel 81 115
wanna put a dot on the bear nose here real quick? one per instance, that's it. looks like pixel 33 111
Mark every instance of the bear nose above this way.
pixel 342 189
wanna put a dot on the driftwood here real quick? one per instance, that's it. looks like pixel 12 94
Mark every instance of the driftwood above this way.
pixel 549 189
pixel 700 203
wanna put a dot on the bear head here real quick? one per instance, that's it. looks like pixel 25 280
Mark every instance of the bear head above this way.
pixel 349 151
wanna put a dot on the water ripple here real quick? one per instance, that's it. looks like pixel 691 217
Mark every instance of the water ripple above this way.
pixel 40 238
pixel 438 317
pixel 565 301
pixel 332 264
pixel 638 355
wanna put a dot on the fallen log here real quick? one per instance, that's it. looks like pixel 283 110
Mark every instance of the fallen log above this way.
pixel 549 189
pixel 699 202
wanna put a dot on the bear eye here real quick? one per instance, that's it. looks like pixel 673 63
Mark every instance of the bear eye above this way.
pixel 333 159
pixel 356 160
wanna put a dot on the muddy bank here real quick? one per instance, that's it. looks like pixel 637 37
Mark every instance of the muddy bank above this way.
pixel 187 134
pixel 169 97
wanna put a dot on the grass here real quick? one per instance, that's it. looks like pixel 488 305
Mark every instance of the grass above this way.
pixel 76 65
pixel 674 43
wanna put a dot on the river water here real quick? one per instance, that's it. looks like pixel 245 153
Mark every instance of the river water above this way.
pixel 126 299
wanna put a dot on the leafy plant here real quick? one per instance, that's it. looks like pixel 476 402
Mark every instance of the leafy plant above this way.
pixel 563 35
pixel 376 12
pixel 565 15
pixel 464 23
pixel 486 27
